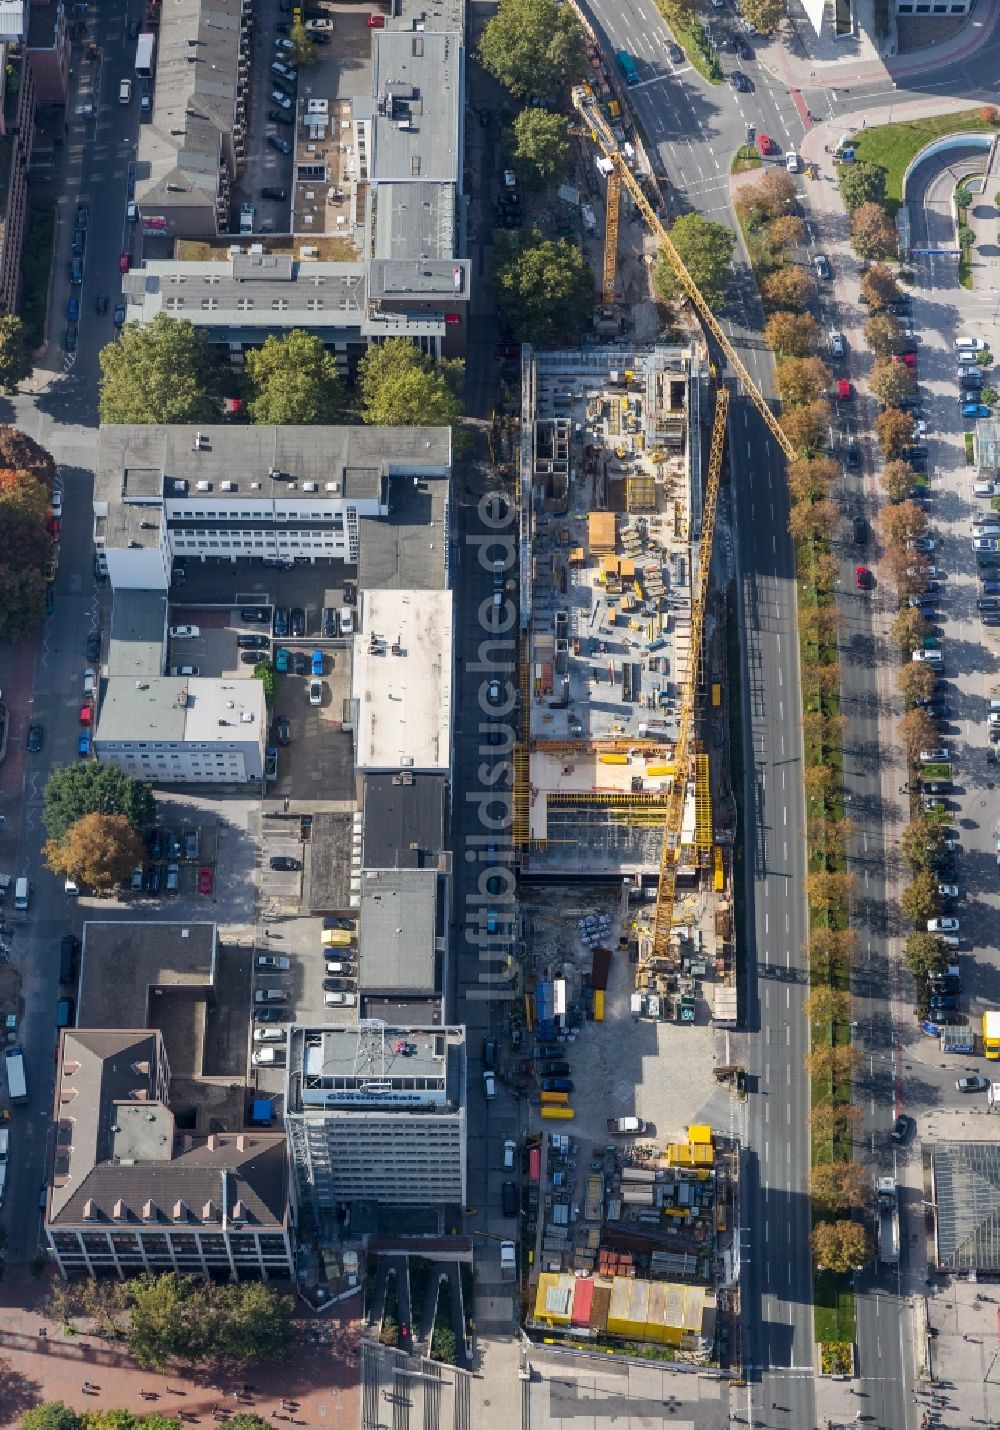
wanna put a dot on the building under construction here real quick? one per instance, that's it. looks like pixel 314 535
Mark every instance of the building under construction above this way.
pixel 610 497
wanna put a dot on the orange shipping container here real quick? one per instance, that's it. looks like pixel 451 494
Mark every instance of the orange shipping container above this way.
pixel 555 1099
pixel 560 1112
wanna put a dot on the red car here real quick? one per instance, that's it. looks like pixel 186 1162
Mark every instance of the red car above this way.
pixel 907 359
pixel 376 22
pixel 86 713
pixel 54 527
pixel 124 261
pixel 863 578
pixel 204 881
pixel 844 390
pixel 766 145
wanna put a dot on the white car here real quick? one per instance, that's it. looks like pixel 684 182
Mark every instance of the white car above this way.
pixel 89 681
pixel 931 756
pixel 948 891
pixel 343 970
pixel 315 692
pixel 185 670
pixel 987 528
pixel 269 1035
pixel 322 24
pixel 985 543
pixel 268 1057
pixel 510 178
pixel 178 633
pixel 274 961
pixel 55 502
pixel 346 622
pixel 792 162
pixel 508 1257
pixel 942 925
pixel 490 1085
pixel 979 489
pixel 932 657
pixel 969 345
pixel 836 343
pixel 125 91
pixel 340 1000
pixel 71 887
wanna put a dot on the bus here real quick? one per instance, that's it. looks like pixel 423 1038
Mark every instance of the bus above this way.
pixel 627 66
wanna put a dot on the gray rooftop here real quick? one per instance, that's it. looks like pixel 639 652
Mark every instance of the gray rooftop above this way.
pixel 444 280
pixel 157 706
pixel 250 291
pixel 397 932
pixel 193 105
pixel 417 79
pixel 408 549
pixel 415 227
pixel 376 1066
pixel 138 627
pixel 122 961
pixel 118 1160
pixel 136 459
pixel 404 820
pixel 966 1192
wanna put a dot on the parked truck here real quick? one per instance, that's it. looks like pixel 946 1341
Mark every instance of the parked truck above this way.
pixel 17 1079
pixel 991 1034
pixel 626 1126
pixel 145 49
pixel 888 1220
pixel 4 1148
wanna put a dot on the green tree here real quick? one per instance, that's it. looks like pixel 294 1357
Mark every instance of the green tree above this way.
pixel 544 288
pixel 541 144
pixel 706 250
pixel 186 1320
pixel 873 233
pixel 533 46
pixel 75 790
pixel 24 507
pixel 879 288
pixel 891 381
pixel 802 379
pixel 304 51
pixel 163 372
pixel 15 358
pixel 293 380
pixel 401 387
pixel 125 1420
pixel 52 1415
pixel 444 1346
pixel 764 15
pixel 920 899
pixel 861 183
pixel 784 233
pixel 811 521
pixel 255 1320
pixel 22 603
pixel 792 334
pixel 923 953
pixel 840 1246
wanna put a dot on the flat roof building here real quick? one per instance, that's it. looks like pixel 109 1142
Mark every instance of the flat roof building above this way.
pixel 404 820
pixel 401 934
pixel 965 1194
pixel 132 1193
pixel 402 681
pixel 183 729
pixel 376 1114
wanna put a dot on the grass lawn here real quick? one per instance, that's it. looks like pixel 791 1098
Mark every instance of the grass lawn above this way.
pixel 833 1311
pixel 893 146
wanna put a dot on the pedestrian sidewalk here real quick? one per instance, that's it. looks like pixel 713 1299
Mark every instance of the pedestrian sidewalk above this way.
pixel 804 60
pixel 983 218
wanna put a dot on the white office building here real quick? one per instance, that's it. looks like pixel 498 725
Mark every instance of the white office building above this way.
pixel 183 729
pixel 376 1113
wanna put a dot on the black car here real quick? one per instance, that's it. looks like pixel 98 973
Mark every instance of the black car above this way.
pixel 252 657
pixel 133 28
pixel 329 622
pixel 255 615
pixel 102 302
pixel 676 55
pixel 277 117
pixel 902 1128
pixel 120 313
pixel 853 458
pixel 82 217
pixel 333 921
pixel 155 843
pixel 269 1015
pixel 284 864
pixel 555 1069
pixel 272 193
pixel 153 880
pixel 69 338
pixel 281 620
pixel 337 985
pixel 489 1053
pixel 350 594
pixel 253 642
pixel 859 528
pixel 318 37
pixel 938 711
pixel 283 730
pixel 741 49
pixel 508 1199
pixel 282 145
pixel 741 82
pixel 36 736
pixel 300 662
pixel 94 645
pixel 297 621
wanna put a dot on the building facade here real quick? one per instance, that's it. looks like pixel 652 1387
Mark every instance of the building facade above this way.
pixel 376 1113
pixel 183 729
pixel 17 126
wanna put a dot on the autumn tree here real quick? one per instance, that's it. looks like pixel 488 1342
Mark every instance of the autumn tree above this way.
pixel 818 625
pixel 790 287
pixel 821 783
pixel 838 1185
pixel 896 478
pixel 832 1063
pixel 792 334
pixel 909 570
pixel 921 844
pixel 923 954
pixel 21 453
pixel 820 682
pixel 811 478
pixel 873 233
pixel 920 899
pixel 802 379
pixel 99 850
pixel 916 682
pixel 894 430
pixel 825 572
pixel 902 522
pixel 831 952
pixel 808 521
pixel 823 732
pixel 828 1005
pixel 917 731
pixel 879 288
pixel 831 889
pixel 908 629
pixel 831 1121
pixel 807 426
pixel 840 1246
pixel 784 233
pixel 883 333
pixel 891 381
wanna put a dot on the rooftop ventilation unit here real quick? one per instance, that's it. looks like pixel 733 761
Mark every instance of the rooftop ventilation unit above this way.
pixel 203 486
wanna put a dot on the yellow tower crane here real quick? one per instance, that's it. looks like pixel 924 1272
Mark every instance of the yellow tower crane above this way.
pixel 589 109
pixel 611 207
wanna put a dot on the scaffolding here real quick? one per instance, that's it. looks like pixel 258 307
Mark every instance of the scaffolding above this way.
pixel 702 807
pixel 521 815
pixel 611 240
